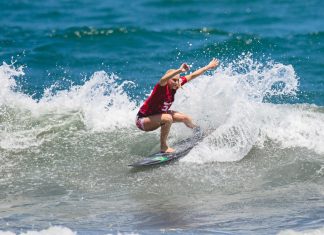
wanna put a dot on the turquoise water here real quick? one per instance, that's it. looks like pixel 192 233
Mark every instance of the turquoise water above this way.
pixel 73 74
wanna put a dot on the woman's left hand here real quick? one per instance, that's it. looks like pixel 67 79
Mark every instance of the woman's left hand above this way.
pixel 213 64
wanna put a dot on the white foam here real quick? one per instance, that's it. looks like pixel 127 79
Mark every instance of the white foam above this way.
pixel 230 102
pixel 101 104
pixel 319 231
pixel 54 230
pixel 293 126
pixel 8 95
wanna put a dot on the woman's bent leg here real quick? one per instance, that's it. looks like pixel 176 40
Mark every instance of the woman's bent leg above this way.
pixel 164 121
pixel 181 117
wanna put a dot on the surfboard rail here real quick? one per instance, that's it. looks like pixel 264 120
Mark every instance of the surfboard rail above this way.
pixel 182 149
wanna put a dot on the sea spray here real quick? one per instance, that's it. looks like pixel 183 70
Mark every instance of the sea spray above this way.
pixel 232 103
pixel 103 103
pixel 229 103
pixel 100 104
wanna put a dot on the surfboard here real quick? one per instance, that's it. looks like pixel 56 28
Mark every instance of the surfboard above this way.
pixel 182 149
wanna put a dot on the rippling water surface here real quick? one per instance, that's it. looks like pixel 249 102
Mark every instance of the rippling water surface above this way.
pixel 74 73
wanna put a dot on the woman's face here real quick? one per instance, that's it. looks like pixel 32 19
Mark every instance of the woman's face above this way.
pixel 174 83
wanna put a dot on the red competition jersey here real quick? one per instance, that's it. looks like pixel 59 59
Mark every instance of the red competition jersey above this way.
pixel 160 99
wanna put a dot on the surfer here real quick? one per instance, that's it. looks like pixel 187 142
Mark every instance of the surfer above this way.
pixel 155 112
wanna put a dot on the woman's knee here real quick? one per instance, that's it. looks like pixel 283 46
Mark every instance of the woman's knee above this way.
pixel 167 118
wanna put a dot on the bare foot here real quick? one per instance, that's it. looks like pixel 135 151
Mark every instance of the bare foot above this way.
pixel 191 125
pixel 167 150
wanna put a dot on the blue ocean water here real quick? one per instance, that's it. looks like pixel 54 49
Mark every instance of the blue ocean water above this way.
pixel 73 74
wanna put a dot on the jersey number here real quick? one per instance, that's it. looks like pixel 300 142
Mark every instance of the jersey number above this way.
pixel 166 106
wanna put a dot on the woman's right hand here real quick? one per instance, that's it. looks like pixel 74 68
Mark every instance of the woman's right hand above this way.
pixel 184 68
